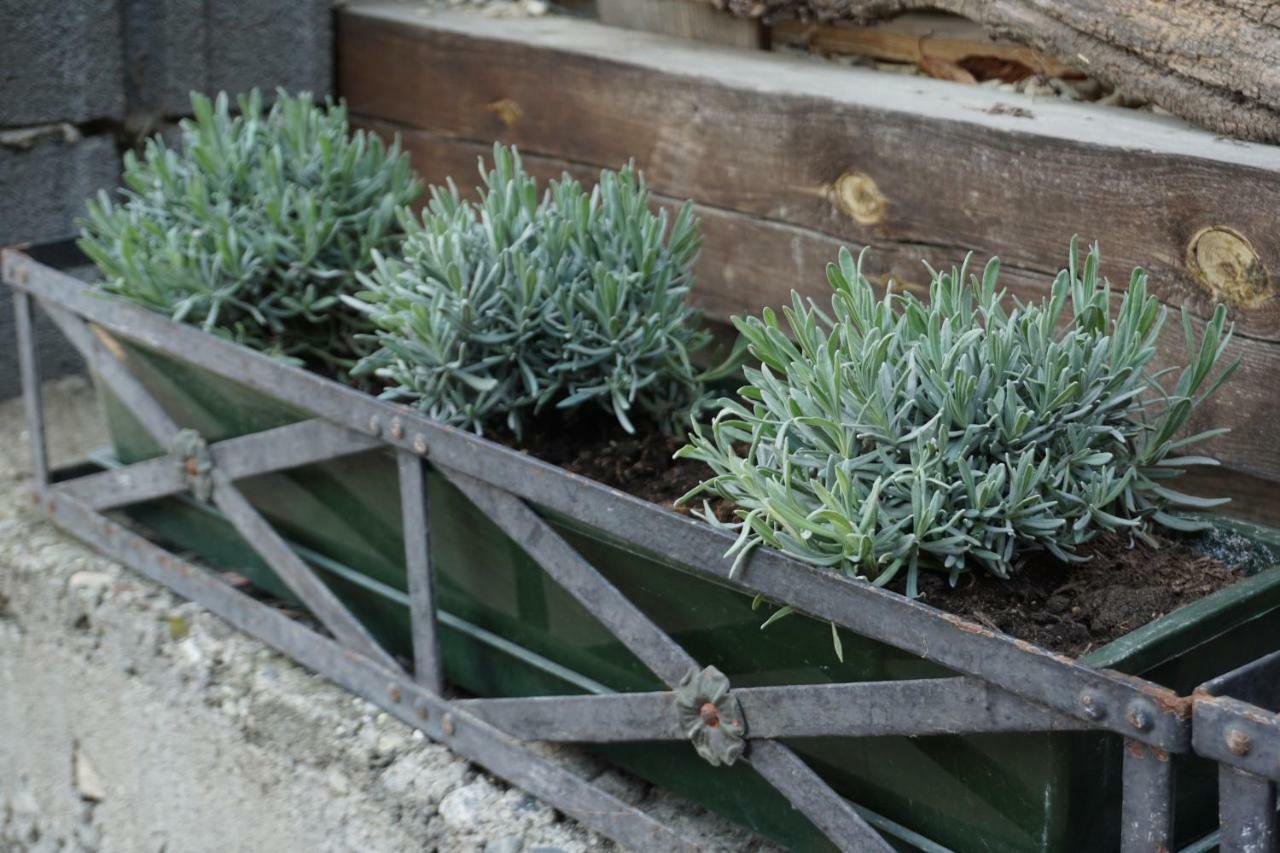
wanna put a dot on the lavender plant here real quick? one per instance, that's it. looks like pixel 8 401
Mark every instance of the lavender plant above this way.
pixel 501 309
pixel 895 435
pixel 255 224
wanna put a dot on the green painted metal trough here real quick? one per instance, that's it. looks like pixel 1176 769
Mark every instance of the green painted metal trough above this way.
pixel 532 582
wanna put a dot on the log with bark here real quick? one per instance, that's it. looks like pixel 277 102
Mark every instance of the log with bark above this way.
pixel 1215 63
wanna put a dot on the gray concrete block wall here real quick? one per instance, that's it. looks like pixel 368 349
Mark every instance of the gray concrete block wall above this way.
pixel 223 45
pixel 45 175
pixel 80 80
pixel 61 60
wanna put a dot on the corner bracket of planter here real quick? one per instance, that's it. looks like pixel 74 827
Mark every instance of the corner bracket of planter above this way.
pixel 711 716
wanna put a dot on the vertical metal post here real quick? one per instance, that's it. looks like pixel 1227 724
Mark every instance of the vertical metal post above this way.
pixel 1246 812
pixel 1147 816
pixel 427 669
pixel 31 397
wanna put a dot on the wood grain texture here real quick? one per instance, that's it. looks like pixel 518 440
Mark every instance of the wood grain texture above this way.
pixel 683 19
pixel 748 262
pixel 1215 62
pixel 912 38
pixel 861 157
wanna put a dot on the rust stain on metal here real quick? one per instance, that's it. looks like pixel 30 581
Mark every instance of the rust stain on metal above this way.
pixel 1238 742
pixel 967 626
pixel 507 111
pixel 1165 700
pixel 710 716
pixel 1136 748
pixel 112 345
pixel 1225 263
pixel 856 194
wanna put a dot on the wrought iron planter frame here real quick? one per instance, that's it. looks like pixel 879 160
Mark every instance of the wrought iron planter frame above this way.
pixel 1006 685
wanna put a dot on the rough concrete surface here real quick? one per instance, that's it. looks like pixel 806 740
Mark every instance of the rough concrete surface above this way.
pixel 133 721
pixel 62 61
pixel 210 45
pixel 46 174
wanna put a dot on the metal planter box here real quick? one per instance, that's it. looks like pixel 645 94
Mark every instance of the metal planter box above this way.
pixel 945 734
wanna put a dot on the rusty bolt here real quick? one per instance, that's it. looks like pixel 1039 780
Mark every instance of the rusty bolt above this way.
pixel 393 692
pixel 446 724
pixel 1239 742
pixel 1140 718
pixel 375 425
pixel 709 714
pixel 397 428
pixel 1093 707
pixel 420 444
pixel 422 710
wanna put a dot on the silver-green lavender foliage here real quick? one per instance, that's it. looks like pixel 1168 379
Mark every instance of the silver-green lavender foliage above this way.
pixel 524 301
pixel 255 224
pixel 895 434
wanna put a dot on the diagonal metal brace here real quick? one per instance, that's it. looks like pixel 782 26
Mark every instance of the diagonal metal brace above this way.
pixel 323 604
pixel 778 764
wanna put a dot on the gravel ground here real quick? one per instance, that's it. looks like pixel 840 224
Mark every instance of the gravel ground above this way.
pixel 131 720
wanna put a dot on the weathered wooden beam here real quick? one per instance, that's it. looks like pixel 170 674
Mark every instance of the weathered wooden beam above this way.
pixel 912 38
pixel 1215 62
pixel 748 262
pixel 683 19
pixel 787 172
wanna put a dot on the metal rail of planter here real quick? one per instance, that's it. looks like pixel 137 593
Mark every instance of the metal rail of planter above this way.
pixel 1006 685
pixel 1236 722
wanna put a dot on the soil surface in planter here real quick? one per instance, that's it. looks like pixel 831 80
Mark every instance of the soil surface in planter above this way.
pixel 1070 609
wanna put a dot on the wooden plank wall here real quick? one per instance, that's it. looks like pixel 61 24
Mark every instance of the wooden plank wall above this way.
pixel 789 158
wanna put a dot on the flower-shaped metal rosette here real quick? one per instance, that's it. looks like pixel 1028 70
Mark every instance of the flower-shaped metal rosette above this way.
pixel 710 716
pixel 192 453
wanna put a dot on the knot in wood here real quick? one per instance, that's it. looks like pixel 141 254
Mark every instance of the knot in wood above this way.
pixel 1224 262
pixel 857 195
pixel 507 111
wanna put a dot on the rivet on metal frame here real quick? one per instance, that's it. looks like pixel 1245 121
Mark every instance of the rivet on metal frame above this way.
pixel 446 725
pixel 397 428
pixel 711 716
pixel 1140 716
pixel 420 444
pixel 1093 706
pixel 422 710
pixel 393 692
pixel 375 425
pixel 1238 742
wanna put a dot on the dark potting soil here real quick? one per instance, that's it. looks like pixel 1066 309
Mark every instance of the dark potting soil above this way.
pixel 1075 608
pixel 1071 609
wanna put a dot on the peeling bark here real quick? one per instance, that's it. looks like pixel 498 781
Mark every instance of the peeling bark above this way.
pixel 1215 63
